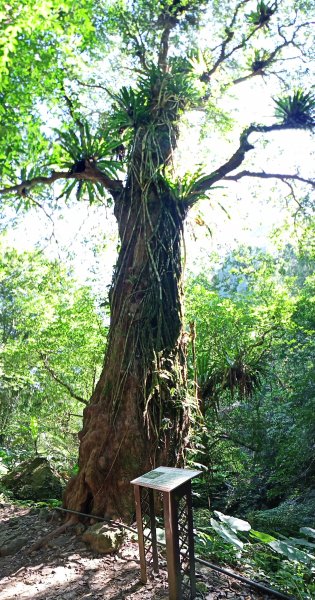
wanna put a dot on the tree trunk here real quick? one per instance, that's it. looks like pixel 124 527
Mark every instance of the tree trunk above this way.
pixel 138 415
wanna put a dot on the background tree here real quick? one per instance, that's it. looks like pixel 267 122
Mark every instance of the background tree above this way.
pixel 52 344
pixel 255 378
pixel 175 57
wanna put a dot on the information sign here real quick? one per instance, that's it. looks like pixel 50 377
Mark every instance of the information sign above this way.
pixel 165 479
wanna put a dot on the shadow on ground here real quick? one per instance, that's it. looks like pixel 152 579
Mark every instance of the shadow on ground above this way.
pixel 64 568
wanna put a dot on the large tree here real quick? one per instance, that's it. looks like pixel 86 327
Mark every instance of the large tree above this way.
pixel 115 78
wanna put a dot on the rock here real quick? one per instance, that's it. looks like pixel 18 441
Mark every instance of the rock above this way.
pixel 3 468
pixel 44 514
pixel 103 538
pixel 201 587
pixel 34 510
pixel 13 546
pixel 34 480
pixel 79 528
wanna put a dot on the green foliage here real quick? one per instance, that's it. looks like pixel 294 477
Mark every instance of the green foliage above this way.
pixel 257 440
pixel 261 553
pixel 289 550
pixel 262 15
pixel 232 522
pixel 227 533
pixel 83 145
pixel 258 60
pixel 308 531
pixel 41 44
pixel 157 93
pixel 185 189
pixel 130 109
pixel 297 109
pixel 52 341
pixel 55 52
pixel 237 362
pixel 288 517
pixel 85 149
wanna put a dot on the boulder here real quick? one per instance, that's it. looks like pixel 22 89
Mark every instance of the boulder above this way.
pixel 12 546
pixel 104 538
pixel 34 480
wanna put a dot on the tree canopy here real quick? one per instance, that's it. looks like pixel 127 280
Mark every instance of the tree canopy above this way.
pixel 60 60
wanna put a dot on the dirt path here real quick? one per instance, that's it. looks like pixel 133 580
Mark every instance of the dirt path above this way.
pixel 66 569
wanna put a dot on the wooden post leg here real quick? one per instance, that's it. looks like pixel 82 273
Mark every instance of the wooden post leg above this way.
pixel 143 567
pixel 172 545
pixel 191 550
pixel 153 532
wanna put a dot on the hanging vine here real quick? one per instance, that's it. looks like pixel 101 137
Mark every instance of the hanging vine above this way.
pixel 152 307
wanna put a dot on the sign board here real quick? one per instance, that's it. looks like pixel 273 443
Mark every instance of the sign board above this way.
pixel 165 479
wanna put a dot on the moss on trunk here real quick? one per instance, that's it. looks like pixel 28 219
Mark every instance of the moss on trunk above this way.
pixel 137 418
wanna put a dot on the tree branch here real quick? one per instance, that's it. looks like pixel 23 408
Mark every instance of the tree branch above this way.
pixel 224 52
pixel 91 173
pixel 206 182
pixel 262 175
pixel 163 52
pixel 139 45
pixel 272 57
pixel 228 437
pixel 23 187
pixel 60 381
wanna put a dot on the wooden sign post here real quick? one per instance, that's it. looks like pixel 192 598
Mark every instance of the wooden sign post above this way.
pixel 175 486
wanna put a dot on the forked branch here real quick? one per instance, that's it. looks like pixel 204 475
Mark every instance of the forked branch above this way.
pixel 226 48
pixel 222 173
pixel 260 66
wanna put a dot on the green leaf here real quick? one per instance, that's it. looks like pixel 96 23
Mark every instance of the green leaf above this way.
pixel 297 109
pixel 291 552
pixel 234 523
pixel 308 531
pixel 301 542
pixel 226 533
pixel 68 189
pixel 262 537
pixel 91 193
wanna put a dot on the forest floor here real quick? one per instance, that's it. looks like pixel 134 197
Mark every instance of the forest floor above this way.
pixel 65 568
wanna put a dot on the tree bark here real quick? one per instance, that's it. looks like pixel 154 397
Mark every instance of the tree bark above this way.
pixel 138 416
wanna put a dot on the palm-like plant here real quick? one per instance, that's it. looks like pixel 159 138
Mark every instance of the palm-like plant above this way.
pixel 81 146
pixel 259 61
pixel 80 149
pixel 296 110
pixel 241 376
pixel 130 108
